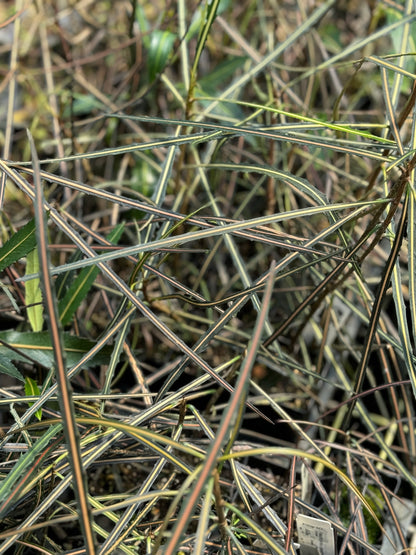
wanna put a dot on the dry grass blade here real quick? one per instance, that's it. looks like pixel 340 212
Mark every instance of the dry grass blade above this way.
pixel 64 386
pixel 12 92
pixel 375 314
pixel 228 424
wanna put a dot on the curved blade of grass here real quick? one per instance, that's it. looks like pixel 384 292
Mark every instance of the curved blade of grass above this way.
pixel 144 436
pixel 227 425
pixel 160 143
pixel 334 144
pixel 122 528
pixel 315 123
pixel 65 391
pixel 299 184
pixel 292 452
pixel 258 530
pixel 215 231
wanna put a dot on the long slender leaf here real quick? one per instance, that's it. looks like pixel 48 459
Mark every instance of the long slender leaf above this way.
pixel 65 391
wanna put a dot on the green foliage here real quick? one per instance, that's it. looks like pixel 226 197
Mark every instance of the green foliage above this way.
pixel 18 346
pixel 80 286
pixel 7 367
pixel 33 292
pixel 18 246
pixel 31 388
pixel 376 501
pixel 230 244
pixel 160 49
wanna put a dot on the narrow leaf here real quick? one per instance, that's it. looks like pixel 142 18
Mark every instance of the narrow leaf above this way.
pixel 18 246
pixel 32 389
pixel 7 367
pixel 33 295
pixel 160 48
pixel 82 284
pixel 37 346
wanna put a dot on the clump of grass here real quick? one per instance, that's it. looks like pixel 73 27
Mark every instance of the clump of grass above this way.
pixel 207 275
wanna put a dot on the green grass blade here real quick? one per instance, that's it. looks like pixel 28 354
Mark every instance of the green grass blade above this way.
pixel 234 228
pixel 12 486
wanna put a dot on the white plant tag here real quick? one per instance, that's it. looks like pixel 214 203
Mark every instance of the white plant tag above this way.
pixel 315 535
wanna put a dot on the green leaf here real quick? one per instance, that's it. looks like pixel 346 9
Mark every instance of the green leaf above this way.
pixel 38 347
pixel 7 367
pixel 18 246
pixel 82 284
pixel 160 48
pixel 33 294
pixel 82 105
pixel 32 389
pixel 221 74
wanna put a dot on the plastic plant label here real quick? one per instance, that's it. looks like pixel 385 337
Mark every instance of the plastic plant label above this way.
pixel 315 536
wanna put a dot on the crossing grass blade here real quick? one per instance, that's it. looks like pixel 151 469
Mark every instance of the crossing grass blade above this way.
pixel 12 488
pixel 375 315
pixel 228 427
